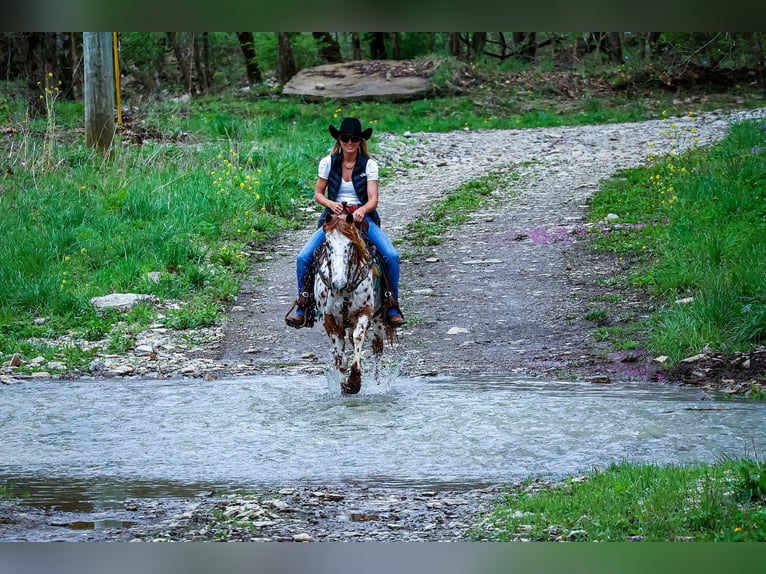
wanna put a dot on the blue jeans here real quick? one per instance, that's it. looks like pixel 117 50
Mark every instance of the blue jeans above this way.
pixel 382 243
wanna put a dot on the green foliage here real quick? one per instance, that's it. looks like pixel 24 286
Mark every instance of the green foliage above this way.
pixel 629 501
pixel 701 230
pixel 752 479
pixel 10 489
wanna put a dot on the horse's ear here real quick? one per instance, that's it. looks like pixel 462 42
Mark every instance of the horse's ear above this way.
pixel 349 218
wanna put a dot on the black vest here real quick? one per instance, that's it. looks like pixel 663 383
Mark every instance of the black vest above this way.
pixel 358 178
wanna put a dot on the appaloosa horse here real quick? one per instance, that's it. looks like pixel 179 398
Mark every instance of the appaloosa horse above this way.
pixel 347 298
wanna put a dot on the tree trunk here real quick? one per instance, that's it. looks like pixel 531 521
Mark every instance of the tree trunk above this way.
pixel 201 73
pixel 99 90
pixel 286 60
pixel 247 44
pixel 396 49
pixel 525 45
pixel 328 47
pixel 650 45
pixel 377 46
pixel 478 41
pixel 455 44
pixel 183 64
pixel 614 47
pixel 356 46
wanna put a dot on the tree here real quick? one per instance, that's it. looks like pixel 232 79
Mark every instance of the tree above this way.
pixel 287 67
pixel 99 90
pixel 396 48
pixel 478 41
pixel 182 59
pixel 455 44
pixel 328 47
pixel 356 46
pixel 247 44
pixel 377 46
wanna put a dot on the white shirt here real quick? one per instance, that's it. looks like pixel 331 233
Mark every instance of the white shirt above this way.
pixel 347 192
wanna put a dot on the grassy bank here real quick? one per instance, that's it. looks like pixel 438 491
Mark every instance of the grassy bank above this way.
pixel 637 502
pixel 697 233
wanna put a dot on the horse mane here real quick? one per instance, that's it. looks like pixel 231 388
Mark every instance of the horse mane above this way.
pixel 347 227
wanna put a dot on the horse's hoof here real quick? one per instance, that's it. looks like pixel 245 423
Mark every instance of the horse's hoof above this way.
pixel 351 387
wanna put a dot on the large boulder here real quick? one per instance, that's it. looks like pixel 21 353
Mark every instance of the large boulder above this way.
pixel 363 79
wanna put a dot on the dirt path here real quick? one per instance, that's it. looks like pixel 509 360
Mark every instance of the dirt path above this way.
pixel 510 289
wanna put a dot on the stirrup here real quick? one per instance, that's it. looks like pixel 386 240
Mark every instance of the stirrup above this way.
pixel 298 321
pixel 390 303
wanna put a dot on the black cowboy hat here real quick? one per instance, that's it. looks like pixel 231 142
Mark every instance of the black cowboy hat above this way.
pixel 350 126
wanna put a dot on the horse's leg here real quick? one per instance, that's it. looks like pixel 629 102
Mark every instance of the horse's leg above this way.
pixel 354 382
pixel 378 331
pixel 337 336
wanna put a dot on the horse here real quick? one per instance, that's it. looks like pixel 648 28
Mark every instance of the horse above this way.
pixel 347 299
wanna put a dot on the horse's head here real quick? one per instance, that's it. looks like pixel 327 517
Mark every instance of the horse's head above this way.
pixel 345 250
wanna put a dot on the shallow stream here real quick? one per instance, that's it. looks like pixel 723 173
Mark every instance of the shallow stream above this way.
pixel 92 444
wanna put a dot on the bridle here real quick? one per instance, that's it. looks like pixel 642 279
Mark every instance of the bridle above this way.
pixel 362 270
pixel 356 273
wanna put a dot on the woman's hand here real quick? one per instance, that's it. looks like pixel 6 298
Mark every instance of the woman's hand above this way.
pixel 336 207
pixel 359 213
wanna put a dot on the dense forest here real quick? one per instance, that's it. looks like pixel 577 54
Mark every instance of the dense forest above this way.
pixel 153 63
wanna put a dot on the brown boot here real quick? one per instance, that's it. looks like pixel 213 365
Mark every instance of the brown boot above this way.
pixel 298 319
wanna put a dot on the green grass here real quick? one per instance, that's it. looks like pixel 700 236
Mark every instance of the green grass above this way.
pixel 454 209
pixel 700 232
pixel 626 501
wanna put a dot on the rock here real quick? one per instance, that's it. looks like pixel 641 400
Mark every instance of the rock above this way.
pixel 694 358
pixel 96 367
pixel 481 261
pixel 143 350
pixel 121 301
pixel 600 380
pixel 369 79
pixel 15 360
pixel 685 301
pixel 457 331
pixel 153 276
pixel 303 537
pixel 123 370
pixel 661 359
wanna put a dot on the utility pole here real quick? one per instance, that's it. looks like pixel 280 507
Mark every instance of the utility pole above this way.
pixel 98 93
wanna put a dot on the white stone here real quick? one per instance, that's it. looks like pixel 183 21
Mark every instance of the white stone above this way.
pixel 482 261
pixel 456 330
pixel 123 301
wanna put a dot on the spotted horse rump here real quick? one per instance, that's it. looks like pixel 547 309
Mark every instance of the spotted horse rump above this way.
pixel 348 301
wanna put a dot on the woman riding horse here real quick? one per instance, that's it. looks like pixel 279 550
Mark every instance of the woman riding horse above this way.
pixel 348 181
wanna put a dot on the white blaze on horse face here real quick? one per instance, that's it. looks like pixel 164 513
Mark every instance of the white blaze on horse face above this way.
pixel 339 249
